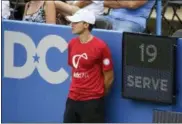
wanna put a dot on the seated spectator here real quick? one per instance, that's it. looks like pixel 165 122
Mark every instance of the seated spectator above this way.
pixel 129 16
pixel 70 7
pixel 40 11
pixel 5 9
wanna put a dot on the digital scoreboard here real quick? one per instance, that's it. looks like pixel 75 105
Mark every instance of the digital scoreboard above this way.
pixel 148 67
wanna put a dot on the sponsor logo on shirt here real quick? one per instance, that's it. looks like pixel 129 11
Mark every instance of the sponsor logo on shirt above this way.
pixel 106 61
pixel 80 75
pixel 79 56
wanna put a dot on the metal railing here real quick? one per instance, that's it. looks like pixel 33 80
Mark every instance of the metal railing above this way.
pixel 159 17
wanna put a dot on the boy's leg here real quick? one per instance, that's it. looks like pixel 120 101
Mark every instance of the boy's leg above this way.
pixel 70 115
pixel 93 111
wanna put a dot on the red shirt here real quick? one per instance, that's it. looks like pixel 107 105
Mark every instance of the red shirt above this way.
pixel 88 61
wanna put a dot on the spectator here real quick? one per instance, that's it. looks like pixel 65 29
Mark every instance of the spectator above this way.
pixel 5 9
pixel 70 7
pixel 127 15
pixel 40 11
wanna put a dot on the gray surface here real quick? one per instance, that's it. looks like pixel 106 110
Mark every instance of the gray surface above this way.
pixel 160 116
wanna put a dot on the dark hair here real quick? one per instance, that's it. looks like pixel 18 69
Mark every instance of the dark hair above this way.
pixel 91 26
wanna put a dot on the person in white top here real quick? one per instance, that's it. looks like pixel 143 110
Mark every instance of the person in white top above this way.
pixel 71 7
pixel 95 6
pixel 5 9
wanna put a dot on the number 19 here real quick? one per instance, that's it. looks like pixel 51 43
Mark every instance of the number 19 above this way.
pixel 149 50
